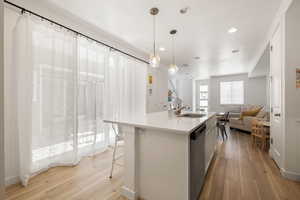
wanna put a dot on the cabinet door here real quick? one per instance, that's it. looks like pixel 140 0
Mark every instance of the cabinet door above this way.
pixel 208 147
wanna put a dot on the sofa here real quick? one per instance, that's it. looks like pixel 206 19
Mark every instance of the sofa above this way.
pixel 245 123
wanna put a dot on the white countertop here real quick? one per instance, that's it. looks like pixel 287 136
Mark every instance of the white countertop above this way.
pixel 166 121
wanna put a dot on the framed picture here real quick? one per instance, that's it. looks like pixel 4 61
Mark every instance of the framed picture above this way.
pixel 298 78
pixel 150 79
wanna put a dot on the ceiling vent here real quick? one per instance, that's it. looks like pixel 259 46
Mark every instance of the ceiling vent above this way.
pixel 184 10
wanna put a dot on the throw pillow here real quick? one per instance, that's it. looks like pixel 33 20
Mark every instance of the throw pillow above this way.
pixel 251 113
pixel 262 113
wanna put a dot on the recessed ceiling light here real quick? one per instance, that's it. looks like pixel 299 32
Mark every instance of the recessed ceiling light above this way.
pixel 162 48
pixel 232 30
pixel 235 51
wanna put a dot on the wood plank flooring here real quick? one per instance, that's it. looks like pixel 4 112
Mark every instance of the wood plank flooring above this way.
pixel 238 172
pixel 241 171
pixel 87 181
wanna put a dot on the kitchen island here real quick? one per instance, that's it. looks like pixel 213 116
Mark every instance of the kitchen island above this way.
pixel 166 156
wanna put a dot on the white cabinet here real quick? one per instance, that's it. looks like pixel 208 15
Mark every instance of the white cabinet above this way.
pixel 210 140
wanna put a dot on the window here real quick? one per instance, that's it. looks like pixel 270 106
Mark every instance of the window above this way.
pixel 203 98
pixel 232 93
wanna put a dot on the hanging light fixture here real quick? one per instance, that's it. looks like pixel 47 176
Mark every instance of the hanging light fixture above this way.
pixel 154 59
pixel 173 67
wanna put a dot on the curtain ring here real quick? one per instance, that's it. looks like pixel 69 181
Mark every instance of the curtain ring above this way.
pixel 22 11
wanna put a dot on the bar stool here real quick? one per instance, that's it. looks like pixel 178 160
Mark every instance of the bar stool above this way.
pixel 118 138
pixel 221 124
pixel 260 135
pixel 222 128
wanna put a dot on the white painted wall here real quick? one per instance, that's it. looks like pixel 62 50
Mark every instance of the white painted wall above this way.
pixel 154 102
pixel 292 95
pixel 262 68
pixel 184 88
pixel 255 91
pixel 1 103
pixel 159 97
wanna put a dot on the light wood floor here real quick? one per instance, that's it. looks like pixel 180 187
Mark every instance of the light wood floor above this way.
pixel 241 171
pixel 238 172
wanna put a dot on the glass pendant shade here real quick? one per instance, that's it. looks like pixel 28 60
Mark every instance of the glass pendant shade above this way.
pixel 173 69
pixel 154 61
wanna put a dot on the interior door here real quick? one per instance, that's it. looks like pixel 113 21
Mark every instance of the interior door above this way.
pixel 276 62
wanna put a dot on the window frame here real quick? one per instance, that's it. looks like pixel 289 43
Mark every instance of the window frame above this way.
pixel 232 104
pixel 201 99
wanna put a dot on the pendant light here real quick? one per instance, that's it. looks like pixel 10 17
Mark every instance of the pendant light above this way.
pixel 154 59
pixel 173 67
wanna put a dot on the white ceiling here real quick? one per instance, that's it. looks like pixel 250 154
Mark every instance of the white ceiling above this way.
pixel 201 32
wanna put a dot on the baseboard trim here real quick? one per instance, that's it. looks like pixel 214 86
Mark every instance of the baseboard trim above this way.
pixel 129 194
pixel 12 180
pixel 290 175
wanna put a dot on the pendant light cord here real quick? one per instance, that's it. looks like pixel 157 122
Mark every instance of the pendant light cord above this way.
pixel 154 36
pixel 173 49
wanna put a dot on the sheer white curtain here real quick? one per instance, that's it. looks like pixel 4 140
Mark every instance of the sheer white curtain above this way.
pixel 125 87
pixel 92 132
pixel 65 86
pixel 46 63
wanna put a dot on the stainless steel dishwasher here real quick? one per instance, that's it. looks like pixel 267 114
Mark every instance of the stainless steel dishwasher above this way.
pixel 197 161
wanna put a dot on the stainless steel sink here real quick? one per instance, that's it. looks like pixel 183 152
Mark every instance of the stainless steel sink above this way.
pixel 192 115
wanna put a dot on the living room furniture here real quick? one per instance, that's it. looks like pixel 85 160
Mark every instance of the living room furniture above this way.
pixel 223 119
pixel 266 124
pixel 260 134
pixel 220 114
pixel 223 116
pixel 245 123
pixel 222 129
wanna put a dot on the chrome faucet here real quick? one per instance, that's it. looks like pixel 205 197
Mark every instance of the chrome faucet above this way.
pixel 179 109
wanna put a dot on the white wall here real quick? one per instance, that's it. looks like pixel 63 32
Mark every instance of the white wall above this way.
pixel 262 68
pixel 184 88
pixel 159 97
pixel 292 95
pixel 255 91
pixel 154 103
pixel 1 104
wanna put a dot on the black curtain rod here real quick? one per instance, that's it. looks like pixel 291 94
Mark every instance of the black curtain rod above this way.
pixel 70 29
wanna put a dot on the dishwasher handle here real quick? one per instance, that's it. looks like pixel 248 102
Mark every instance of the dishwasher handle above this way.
pixel 198 132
